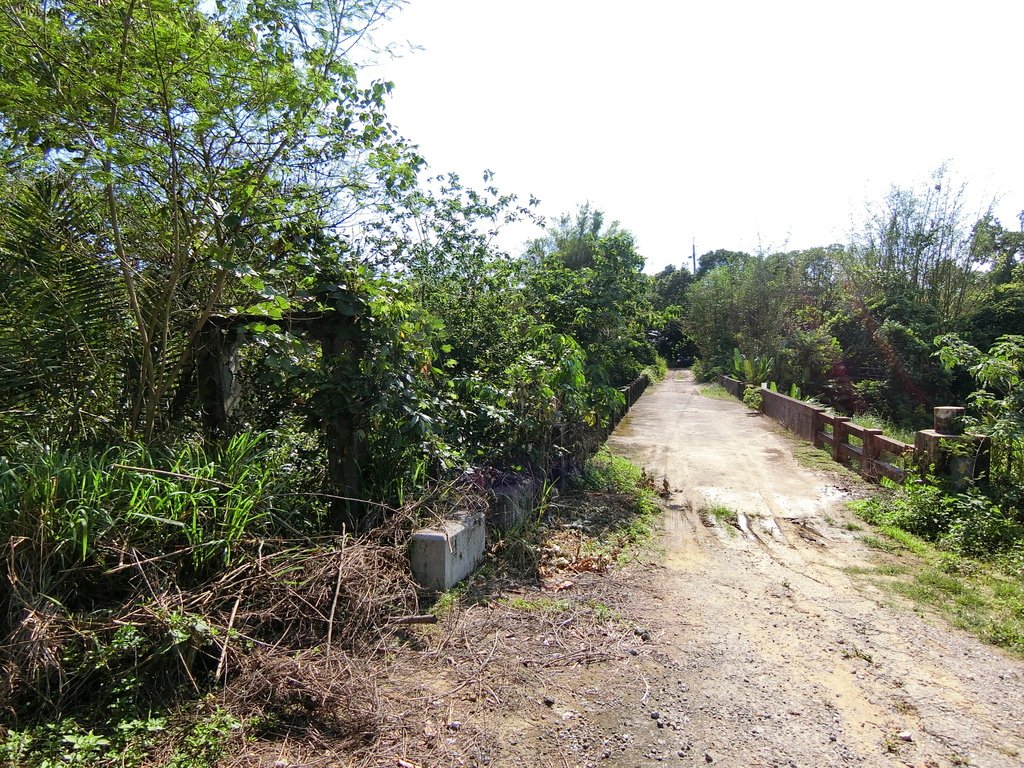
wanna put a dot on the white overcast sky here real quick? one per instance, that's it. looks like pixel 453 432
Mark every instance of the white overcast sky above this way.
pixel 736 124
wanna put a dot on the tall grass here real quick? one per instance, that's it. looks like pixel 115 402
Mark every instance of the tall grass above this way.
pixel 872 421
pixel 79 504
pixel 87 531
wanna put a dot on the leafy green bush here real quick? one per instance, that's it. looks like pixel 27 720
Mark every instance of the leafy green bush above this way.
pixel 131 742
pixel 753 370
pixel 997 405
pixel 980 528
pixel 701 372
pixel 917 507
pixel 753 398
pixel 1012 560
pixel 656 371
pixel 967 523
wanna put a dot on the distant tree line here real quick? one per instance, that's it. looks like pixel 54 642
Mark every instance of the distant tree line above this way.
pixel 854 325
pixel 923 307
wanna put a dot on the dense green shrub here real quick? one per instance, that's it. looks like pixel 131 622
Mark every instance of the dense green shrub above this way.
pixel 980 528
pixel 918 507
pixel 967 523
pixel 753 398
pixel 703 372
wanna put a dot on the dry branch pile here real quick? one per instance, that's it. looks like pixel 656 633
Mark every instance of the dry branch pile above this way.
pixel 280 631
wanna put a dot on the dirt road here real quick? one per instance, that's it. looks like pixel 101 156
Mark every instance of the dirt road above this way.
pixel 767 646
pixel 760 636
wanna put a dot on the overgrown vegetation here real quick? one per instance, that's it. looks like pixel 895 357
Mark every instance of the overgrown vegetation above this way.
pixel 290 631
pixel 984 596
pixel 245 346
pixel 606 515
pixel 985 519
pixel 853 325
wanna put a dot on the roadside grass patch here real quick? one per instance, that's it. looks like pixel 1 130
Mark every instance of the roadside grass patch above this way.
pixel 906 540
pixel 722 514
pixel 599 611
pixel 623 504
pixel 971 594
pixel 821 460
pixel 881 543
pixel 603 613
pixel 607 516
pixel 448 601
pixel 892 570
pixel 715 392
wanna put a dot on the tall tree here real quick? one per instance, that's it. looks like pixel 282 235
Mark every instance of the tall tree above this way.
pixel 922 237
pixel 217 142
pixel 591 286
pixel 720 258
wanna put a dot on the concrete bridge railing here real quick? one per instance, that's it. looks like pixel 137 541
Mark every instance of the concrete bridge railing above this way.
pixel 872 453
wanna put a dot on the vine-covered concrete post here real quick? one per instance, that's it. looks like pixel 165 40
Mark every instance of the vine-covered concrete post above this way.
pixel 216 362
pixel 341 345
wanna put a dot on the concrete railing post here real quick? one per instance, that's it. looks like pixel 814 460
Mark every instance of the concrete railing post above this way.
pixel 817 426
pixel 946 448
pixel 948 419
pixel 869 452
pixel 839 436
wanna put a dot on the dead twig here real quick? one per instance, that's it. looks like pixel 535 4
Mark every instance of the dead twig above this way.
pixel 427 618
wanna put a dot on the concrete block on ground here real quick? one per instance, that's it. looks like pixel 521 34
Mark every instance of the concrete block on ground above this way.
pixel 445 554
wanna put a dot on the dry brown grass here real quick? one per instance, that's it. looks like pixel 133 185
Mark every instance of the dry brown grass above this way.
pixel 300 643
pixel 440 694
pixel 287 596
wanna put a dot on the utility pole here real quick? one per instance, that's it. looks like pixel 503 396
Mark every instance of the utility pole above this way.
pixel 693 255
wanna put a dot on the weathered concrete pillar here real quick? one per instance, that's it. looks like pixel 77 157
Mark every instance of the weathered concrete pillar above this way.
pixel 839 436
pixel 948 419
pixel 962 458
pixel 341 345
